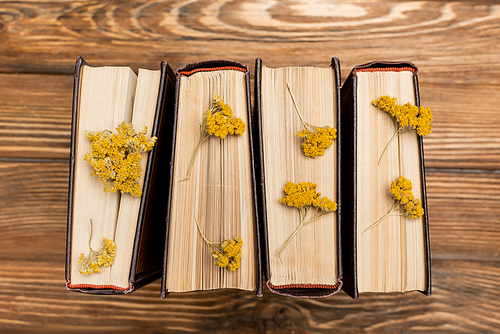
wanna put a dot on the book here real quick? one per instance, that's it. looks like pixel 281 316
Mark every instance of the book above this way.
pixel 212 223
pixel 103 98
pixel 301 240
pixel 382 252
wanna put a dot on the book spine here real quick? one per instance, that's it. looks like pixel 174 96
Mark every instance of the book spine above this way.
pixel 348 193
pixel 74 119
pixel 259 154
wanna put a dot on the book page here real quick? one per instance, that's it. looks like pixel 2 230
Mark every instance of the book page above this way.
pixel 146 98
pixel 218 193
pixel 391 256
pixel 311 256
pixel 106 95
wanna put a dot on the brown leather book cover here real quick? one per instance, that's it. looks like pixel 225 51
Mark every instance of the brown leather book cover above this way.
pixel 349 172
pixel 294 290
pixel 146 264
pixel 204 66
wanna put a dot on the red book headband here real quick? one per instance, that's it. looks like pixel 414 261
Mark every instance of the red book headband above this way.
pixel 387 69
pixel 208 69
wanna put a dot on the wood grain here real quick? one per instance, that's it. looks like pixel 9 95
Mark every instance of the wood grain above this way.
pixel 466 125
pixel 188 31
pixel 33 198
pixel 465 298
pixel 35 116
pixel 464 215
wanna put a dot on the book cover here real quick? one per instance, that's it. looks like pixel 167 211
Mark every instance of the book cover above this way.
pixel 148 239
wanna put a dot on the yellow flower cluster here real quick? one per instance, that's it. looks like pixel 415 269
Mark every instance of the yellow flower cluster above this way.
pixel 315 143
pixel 219 120
pixel 407 115
pixel 304 194
pixel 228 254
pixel 115 157
pixel 97 260
pixel 414 209
pixel 401 191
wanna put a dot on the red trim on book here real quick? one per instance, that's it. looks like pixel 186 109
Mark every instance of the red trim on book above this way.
pixel 386 69
pixel 304 286
pixel 208 69
pixel 93 286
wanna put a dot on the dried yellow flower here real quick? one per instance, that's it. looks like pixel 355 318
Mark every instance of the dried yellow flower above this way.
pixel 115 157
pixel 97 259
pixel 217 121
pixel 401 191
pixel 408 117
pixel 303 196
pixel 226 254
pixel 316 139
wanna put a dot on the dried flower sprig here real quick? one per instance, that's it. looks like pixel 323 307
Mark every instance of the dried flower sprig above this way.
pixel 316 139
pixel 408 117
pixel 401 191
pixel 226 254
pixel 115 157
pixel 218 121
pixel 97 259
pixel 303 196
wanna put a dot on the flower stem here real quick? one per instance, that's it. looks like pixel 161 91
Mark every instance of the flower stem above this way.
pixel 387 146
pixel 316 218
pixel 91 232
pixel 301 225
pixel 297 108
pixel 288 240
pixel 393 207
pixel 203 137
pixel 210 243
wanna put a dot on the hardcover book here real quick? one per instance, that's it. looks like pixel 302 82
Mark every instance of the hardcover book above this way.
pixel 297 111
pixel 212 222
pixel 115 239
pixel 385 233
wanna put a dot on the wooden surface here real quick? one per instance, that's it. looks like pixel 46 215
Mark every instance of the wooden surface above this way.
pixel 454 44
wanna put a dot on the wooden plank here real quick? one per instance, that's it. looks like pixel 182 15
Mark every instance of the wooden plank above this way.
pixel 465 133
pixel 465 299
pixel 35 116
pixel 142 34
pixel 464 215
pixel 466 126
pixel 33 204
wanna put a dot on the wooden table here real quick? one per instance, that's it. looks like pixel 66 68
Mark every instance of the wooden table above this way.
pixel 456 47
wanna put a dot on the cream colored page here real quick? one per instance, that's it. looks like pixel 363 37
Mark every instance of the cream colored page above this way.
pixel 413 235
pixel 218 193
pixel 106 96
pixel 311 256
pixel 383 252
pixel 146 96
